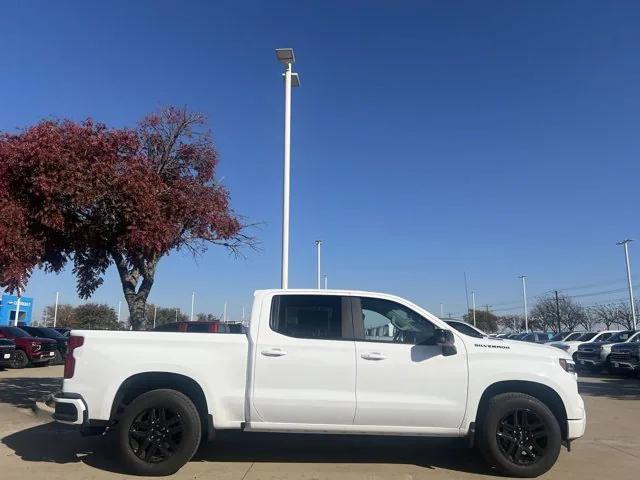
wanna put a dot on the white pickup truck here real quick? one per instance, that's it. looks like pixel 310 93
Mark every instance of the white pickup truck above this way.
pixel 322 361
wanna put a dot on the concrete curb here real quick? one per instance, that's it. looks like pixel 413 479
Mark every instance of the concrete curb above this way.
pixel 43 407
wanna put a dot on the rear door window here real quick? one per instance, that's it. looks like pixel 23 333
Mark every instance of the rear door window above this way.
pixel 323 317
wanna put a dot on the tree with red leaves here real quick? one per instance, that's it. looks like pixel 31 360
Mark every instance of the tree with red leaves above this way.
pixel 98 196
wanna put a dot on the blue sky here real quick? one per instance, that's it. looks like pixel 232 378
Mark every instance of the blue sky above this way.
pixel 429 138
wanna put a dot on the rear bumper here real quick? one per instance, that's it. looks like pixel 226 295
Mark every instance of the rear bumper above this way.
pixel 70 408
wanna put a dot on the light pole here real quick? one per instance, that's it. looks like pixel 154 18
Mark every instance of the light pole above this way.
pixel 291 79
pixel 524 301
pixel 155 312
pixel 119 307
pixel 224 314
pixel 193 300
pixel 625 244
pixel 326 281
pixel 55 310
pixel 318 248
pixel 473 303
pixel 442 310
pixel 15 320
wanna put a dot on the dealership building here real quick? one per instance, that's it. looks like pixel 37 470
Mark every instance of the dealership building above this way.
pixel 9 306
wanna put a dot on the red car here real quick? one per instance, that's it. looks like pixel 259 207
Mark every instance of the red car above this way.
pixel 199 327
pixel 29 350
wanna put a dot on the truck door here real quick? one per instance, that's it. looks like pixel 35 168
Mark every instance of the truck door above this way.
pixel 403 380
pixel 305 362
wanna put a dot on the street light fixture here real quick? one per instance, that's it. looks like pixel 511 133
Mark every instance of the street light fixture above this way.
pixel 625 244
pixel 287 58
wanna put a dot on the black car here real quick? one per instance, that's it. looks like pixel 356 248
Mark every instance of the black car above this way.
pixel 625 358
pixel 46 332
pixel 7 347
pixel 64 331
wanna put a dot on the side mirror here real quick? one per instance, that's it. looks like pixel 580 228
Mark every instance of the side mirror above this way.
pixel 446 340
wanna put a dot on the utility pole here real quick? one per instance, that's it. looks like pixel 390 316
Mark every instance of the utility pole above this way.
pixel 318 247
pixel 524 299
pixel 287 58
pixel 55 310
pixel 558 312
pixel 466 291
pixel 632 302
pixel 473 299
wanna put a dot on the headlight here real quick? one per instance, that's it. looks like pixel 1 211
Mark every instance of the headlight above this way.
pixel 35 346
pixel 567 365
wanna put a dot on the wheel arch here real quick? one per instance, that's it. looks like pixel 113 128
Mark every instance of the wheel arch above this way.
pixel 140 383
pixel 544 393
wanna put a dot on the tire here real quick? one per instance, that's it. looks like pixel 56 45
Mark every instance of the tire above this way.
pixel 19 359
pixel 158 447
pixel 501 421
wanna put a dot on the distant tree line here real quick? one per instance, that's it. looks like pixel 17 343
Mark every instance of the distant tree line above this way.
pixel 95 316
pixel 563 314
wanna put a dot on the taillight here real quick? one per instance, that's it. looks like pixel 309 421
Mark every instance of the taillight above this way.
pixel 70 362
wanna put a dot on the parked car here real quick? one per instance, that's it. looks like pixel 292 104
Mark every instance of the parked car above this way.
pixel 595 355
pixel 64 331
pixel 295 372
pixel 7 348
pixel 625 357
pixel 566 336
pixel 199 327
pixel 466 328
pixel 571 347
pixel 45 332
pixel 29 350
pixel 534 337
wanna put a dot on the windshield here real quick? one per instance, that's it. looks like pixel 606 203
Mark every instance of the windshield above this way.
pixel 48 332
pixel 558 336
pixel 621 336
pixel 573 336
pixel 586 337
pixel 602 337
pixel 14 332
pixel 467 329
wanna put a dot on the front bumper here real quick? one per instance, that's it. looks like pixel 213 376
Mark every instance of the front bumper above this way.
pixel 70 408
pixel 590 360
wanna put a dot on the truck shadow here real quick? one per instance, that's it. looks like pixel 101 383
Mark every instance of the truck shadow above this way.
pixel 61 444
pixel 23 391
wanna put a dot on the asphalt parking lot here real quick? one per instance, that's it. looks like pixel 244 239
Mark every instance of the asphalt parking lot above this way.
pixel 33 446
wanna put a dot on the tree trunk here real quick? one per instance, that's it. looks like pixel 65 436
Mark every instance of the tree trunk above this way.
pixel 136 295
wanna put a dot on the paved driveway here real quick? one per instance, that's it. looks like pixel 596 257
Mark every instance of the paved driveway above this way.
pixel 34 447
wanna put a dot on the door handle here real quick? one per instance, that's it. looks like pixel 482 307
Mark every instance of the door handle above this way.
pixel 273 352
pixel 373 356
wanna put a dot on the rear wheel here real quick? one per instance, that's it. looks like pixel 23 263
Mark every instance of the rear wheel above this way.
pixel 19 359
pixel 519 435
pixel 159 432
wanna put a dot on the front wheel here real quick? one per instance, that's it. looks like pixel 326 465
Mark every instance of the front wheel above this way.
pixel 19 359
pixel 159 432
pixel 519 435
pixel 57 359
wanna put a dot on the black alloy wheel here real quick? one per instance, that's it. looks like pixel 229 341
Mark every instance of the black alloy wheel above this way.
pixel 156 434
pixel 522 437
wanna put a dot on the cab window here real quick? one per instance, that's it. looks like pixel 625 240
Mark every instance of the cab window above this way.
pixel 311 316
pixel 388 321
